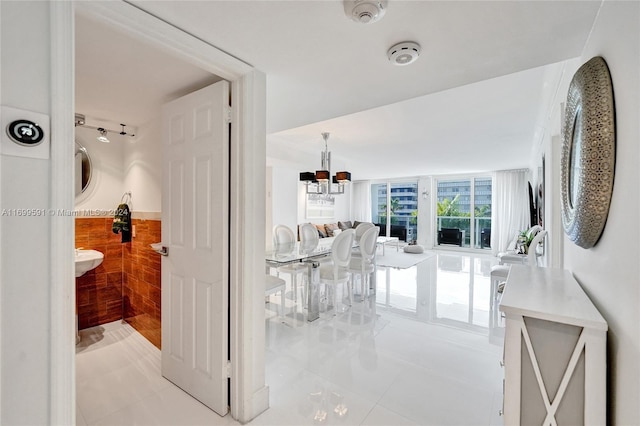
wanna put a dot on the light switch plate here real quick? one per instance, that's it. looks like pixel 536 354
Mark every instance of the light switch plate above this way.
pixel 10 147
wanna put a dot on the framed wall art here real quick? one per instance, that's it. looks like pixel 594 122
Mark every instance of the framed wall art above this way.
pixel 320 206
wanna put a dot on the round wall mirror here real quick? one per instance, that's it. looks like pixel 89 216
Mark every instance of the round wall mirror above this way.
pixel 83 169
pixel 588 153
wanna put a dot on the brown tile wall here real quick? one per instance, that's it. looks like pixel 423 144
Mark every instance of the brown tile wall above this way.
pixel 141 280
pixel 127 283
pixel 99 291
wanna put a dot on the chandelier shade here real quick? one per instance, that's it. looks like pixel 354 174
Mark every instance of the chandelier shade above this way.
pixel 322 175
pixel 321 182
pixel 307 177
pixel 343 177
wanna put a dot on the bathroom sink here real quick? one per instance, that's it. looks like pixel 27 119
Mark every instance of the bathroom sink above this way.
pixel 87 260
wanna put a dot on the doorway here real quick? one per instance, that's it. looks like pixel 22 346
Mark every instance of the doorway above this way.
pixel 114 91
pixel 181 115
pixel 247 144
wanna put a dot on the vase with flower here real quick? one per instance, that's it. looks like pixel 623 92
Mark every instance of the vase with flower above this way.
pixel 524 241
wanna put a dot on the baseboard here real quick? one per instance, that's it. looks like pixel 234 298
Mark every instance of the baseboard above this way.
pixel 258 404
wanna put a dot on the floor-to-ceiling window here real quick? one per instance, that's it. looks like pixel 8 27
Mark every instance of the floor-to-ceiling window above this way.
pixel 464 212
pixel 399 202
pixel 482 212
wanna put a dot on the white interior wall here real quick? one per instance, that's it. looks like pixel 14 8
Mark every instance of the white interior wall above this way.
pixel 126 164
pixel 268 206
pixel 288 199
pixel 284 193
pixel 25 270
pixel 609 271
pixel 550 147
pixel 28 373
pixel 142 167
pixel 426 223
pixel 107 176
pixel 342 207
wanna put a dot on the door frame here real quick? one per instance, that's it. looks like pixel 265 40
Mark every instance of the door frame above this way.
pixel 249 396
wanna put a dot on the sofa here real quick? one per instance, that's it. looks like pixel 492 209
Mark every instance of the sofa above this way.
pixel 327 229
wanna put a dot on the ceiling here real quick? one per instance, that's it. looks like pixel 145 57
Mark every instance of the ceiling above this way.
pixel 473 101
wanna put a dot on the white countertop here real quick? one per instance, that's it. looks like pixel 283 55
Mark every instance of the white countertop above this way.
pixel 551 294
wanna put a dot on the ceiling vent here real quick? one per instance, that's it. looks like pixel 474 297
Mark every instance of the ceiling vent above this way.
pixel 365 11
pixel 404 53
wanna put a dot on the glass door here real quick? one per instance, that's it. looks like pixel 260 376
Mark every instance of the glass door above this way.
pixel 464 212
pixel 482 212
pixel 397 201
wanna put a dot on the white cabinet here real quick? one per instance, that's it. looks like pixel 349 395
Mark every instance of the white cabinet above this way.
pixel 555 350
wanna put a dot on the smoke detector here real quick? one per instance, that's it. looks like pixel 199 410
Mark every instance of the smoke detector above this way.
pixel 404 53
pixel 365 11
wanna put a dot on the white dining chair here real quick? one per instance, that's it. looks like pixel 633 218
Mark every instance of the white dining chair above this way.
pixel 308 234
pixel 283 236
pixel 364 264
pixel 336 272
pixel 361 229
pixel 359 232
pixel 274 285
pixel 310 240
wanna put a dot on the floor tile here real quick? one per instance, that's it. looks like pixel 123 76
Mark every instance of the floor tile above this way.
pixel 418 352
pixel 430 399
pixel 113 391
pixel 381 416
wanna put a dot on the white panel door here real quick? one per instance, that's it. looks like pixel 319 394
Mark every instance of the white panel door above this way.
pixel 195 218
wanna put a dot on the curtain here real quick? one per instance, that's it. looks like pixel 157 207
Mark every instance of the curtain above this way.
pixel 361 201
pixel 510 214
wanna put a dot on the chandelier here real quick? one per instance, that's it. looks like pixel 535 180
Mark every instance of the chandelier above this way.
pixel 318 182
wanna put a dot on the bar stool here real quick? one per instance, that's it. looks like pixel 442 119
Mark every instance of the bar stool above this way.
pixel 498 274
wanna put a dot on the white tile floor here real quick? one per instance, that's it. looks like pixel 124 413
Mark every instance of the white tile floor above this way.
pixel 420 353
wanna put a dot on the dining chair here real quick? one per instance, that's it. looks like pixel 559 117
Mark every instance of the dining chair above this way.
pixel 308 234
pixel 364 264
pixel 336 271
pixel 283 236
pixel 361 229
pixel 310 239
pixel 274 285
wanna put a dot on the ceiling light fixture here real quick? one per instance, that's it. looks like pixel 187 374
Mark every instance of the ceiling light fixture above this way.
pixel 404 53
pixel 365 11
pixel 319 182
pixel 103 135
pixel 80 120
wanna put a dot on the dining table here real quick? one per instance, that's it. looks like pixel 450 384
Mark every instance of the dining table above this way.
pixel 309 253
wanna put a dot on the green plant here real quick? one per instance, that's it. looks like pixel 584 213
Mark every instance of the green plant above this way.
pixel 414 218
pixel 448 207
pixel 524 240
pixel 393 207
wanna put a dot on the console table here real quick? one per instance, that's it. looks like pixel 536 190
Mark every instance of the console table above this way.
pixel 554 350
